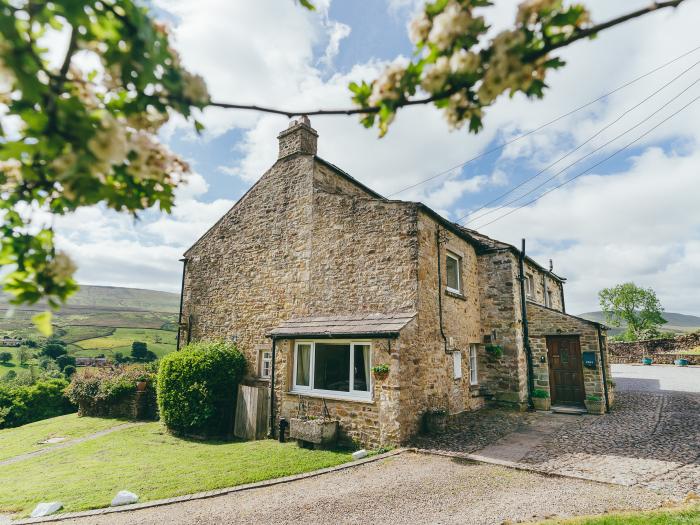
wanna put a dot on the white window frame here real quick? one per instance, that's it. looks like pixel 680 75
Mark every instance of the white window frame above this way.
pixel 263 361
pixel 458 260
pixel 529 285
pixel 356 395
pixel 473 365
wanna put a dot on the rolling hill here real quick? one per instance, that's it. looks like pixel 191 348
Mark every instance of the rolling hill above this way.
pixel 678 323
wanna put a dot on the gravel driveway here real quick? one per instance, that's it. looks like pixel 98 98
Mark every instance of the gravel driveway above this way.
pixel 408 488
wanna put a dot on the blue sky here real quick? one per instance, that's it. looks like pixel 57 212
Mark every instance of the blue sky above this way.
pixel 629 219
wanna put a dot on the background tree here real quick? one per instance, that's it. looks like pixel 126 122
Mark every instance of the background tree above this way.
pixel 23 355
pixel 54 350
pixel 140 352
pixel 5 357
pixel 638 308
pixel 85 131
pixel 65 360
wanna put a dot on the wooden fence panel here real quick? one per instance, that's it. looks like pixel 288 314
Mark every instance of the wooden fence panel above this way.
pixel 252 409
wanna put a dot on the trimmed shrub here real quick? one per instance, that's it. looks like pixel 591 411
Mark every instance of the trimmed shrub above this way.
pixel 111 392
pixel 197 389
pixel 20 405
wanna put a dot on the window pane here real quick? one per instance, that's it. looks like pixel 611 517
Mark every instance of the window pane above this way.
pixel 452 273
pixel 361 368
pixel 303 364
pixel 332 367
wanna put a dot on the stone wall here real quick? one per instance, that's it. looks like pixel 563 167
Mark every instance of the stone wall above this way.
pixel 499 291
pixel 136 406
pixel 544 283
pixel 663 351
pixel 545 322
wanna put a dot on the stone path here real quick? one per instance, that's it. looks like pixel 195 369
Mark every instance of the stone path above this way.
pixel 65 444
pixel 650 439
pixel 405 489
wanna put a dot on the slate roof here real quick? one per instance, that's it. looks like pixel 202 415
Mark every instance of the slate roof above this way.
pixel 367 325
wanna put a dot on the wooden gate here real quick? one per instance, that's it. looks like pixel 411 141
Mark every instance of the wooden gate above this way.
pixel 252 409
pixel 565 370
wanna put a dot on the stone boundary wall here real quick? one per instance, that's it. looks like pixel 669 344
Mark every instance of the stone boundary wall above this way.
pixel 662 351
pixel 134 407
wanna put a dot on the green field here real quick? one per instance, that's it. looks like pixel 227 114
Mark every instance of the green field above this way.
pixel 161 342
pixel 146 460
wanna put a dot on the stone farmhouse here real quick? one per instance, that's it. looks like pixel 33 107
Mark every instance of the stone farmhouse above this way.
pixel 319 279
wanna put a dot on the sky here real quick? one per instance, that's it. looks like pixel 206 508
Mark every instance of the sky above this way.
pixel 631 217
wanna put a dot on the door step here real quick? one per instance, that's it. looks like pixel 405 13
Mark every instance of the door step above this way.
pixel 562 409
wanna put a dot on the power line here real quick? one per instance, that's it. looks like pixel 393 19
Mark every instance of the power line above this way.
pixel 587 170
pixel 576 148
pixel 560 117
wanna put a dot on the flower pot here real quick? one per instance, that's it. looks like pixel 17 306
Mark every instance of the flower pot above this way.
pixel 141 386
pixel 681 362
pixel 381 376
pixel 435 422
pixel 595 407
pixel 316 431
pixel 647 361
pixel 542 403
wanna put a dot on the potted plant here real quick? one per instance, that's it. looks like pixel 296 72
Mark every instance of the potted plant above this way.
pixel 380 371
pixel 680 361
pixel 595 404
pixel 494 351
pixel 647 361
pixel 435 420
pixel 540 398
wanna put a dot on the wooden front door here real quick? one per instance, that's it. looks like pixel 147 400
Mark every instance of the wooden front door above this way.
pixel 565 370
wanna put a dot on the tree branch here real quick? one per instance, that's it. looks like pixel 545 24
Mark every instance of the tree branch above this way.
pixel 441 96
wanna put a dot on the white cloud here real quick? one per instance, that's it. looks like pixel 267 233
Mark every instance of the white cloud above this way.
pixel 336 31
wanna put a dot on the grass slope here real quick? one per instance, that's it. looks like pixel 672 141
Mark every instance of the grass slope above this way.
pixel 161 342
pixel 24 439
pixel 151 463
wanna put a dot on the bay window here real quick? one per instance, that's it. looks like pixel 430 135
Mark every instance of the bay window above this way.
pixel 333 369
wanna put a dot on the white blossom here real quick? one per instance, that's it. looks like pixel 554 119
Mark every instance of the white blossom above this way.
pixel 109 142
pixel 388 85
pixel 436 75
pixel 447 26
pixel 463 61
pixel 194 88
pixel 529 10
pixel 420 28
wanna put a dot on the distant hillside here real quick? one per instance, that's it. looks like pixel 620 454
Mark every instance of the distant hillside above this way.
pixel 117 298
pixel 676 322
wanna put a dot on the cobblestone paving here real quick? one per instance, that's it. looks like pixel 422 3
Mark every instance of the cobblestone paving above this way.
pixel 649 439
pixel 471 431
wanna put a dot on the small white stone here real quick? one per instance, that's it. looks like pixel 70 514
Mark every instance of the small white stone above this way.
pixel 359 454
pixel 44 509
pixel 124 497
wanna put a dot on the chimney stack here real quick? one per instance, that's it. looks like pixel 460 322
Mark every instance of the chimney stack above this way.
pixel 299 137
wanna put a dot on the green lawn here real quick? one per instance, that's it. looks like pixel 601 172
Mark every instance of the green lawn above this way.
pixel 161 342
pixel 151 463
pixel 16 441
pixel 689 515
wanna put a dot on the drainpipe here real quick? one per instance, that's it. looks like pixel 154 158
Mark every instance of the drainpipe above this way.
pixel 439 275
pixel 182 291
pixel 601 346
pixel 271 433
pixel 563 304
pixel 526 335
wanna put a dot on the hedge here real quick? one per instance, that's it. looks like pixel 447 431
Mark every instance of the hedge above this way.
pixel 197 389
pixel 20 405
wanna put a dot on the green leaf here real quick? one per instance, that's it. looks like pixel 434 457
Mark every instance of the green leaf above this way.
pixel 308 5
pixel 42 322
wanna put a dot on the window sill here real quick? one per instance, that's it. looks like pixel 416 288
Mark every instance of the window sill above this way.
pixel 456 295
pixel 352 399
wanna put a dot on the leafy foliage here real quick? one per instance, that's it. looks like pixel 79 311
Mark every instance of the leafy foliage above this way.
pixel 54 350
pixel 5 357
pixel 461 71
pixel 96 392
pixel 638 307
pixel 81 135
pixel 540 394
pixel 20 405
pixel 494 351
pixel 197 388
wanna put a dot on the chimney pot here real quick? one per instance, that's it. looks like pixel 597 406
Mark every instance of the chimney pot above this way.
pixel 299 137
